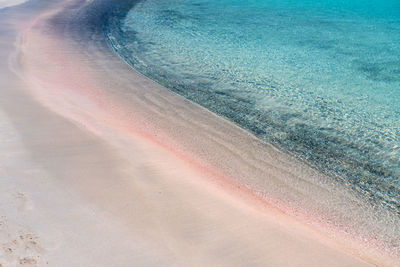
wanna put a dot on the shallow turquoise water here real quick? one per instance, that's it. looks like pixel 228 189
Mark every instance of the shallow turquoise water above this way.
pixel 319 79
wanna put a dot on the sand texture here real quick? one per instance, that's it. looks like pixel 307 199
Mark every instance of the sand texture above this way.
pixel 101 167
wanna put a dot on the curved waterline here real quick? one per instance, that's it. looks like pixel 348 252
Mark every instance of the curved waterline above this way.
pixel 325 114
pixel 334 130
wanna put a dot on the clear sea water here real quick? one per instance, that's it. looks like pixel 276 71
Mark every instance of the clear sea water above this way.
pixel 319 79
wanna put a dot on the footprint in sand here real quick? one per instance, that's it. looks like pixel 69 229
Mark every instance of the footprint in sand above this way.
pixel 19 247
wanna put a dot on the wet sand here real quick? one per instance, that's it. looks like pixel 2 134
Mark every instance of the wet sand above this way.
pixel 102 167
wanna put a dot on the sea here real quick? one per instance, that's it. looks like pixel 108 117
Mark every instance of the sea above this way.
pixel 317 79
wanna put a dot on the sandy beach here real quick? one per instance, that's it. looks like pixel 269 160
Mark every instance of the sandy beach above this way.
pixel 102 167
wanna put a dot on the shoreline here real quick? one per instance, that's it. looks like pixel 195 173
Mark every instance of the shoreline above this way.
pixel 309 138
pixel 120 117
pixel 320 217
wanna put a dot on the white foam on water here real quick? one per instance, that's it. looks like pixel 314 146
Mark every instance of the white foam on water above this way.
pixel 10 3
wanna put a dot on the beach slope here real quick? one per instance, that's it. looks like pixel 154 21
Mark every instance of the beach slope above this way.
pixel 98 169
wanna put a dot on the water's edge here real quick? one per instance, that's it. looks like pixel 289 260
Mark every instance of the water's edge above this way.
pixel 305 143
pixel 107 10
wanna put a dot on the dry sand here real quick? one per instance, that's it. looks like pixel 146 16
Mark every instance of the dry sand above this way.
pixel 101 167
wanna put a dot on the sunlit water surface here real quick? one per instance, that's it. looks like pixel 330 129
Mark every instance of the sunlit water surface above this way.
pixel 318 79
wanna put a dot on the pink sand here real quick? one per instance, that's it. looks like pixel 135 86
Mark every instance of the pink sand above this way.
pixel 106 168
